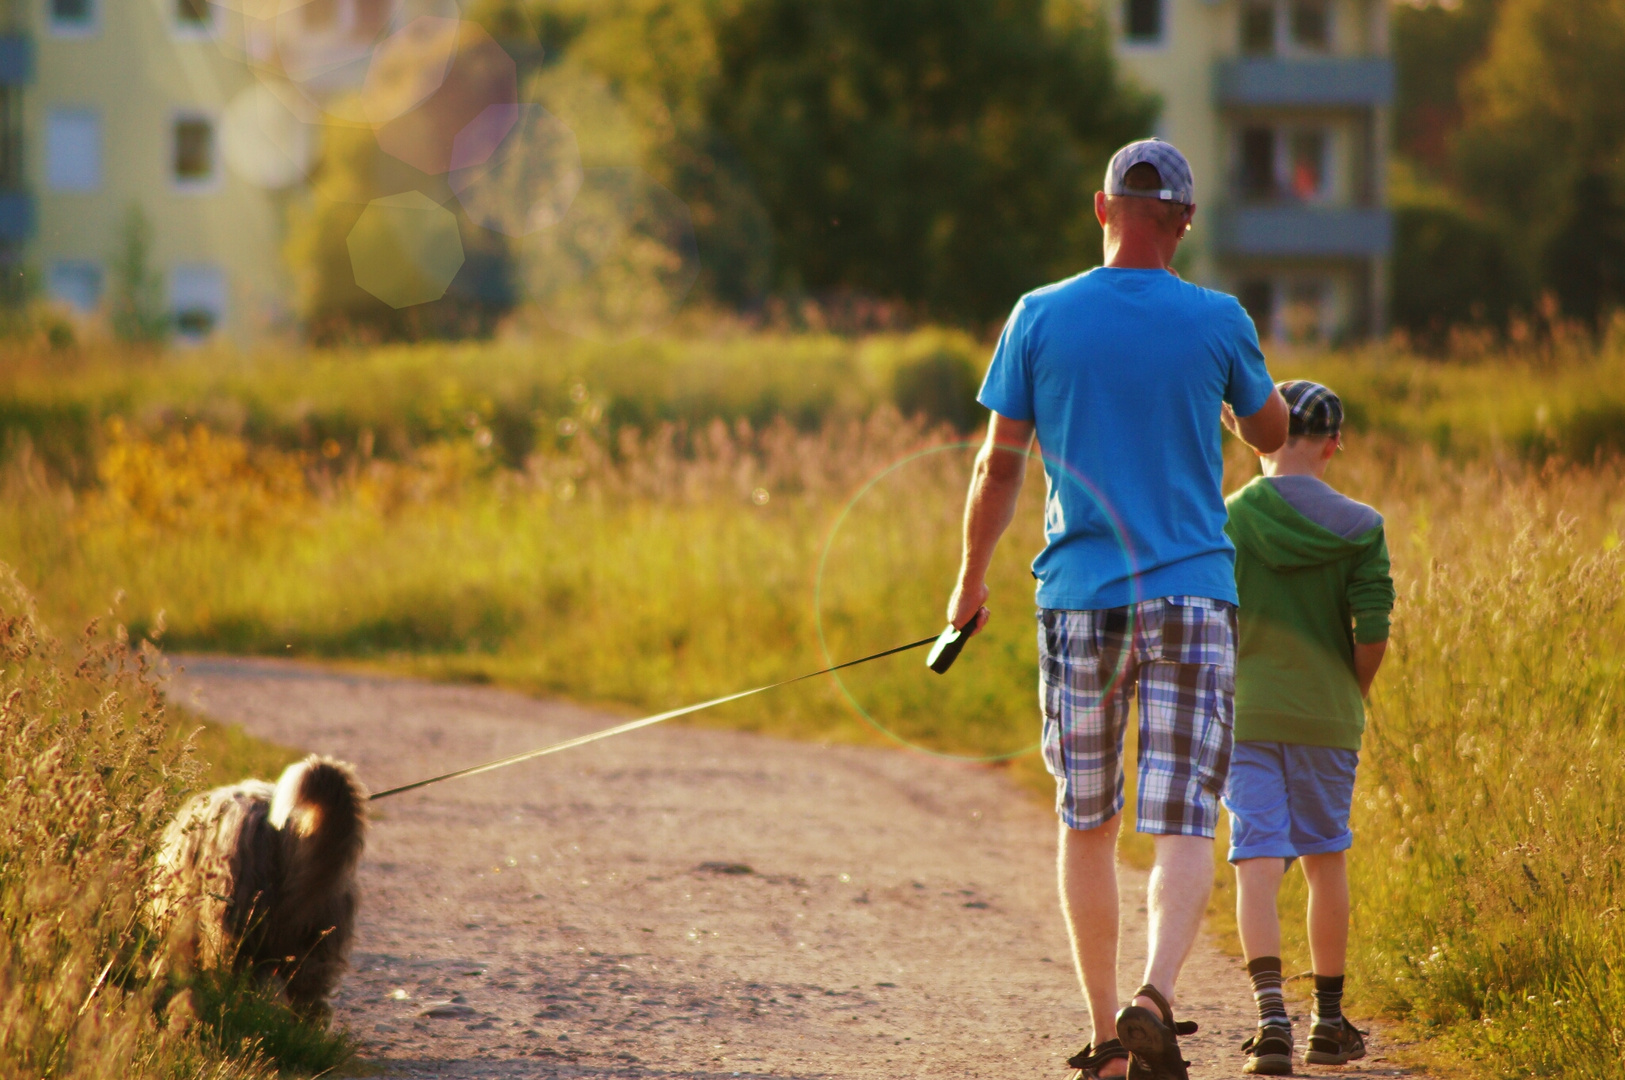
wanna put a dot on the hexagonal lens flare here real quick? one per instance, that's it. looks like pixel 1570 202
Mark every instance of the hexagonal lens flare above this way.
pixel 405 249
pixel 435 81
pixel 264 142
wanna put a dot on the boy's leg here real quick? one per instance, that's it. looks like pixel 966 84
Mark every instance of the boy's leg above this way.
pixel 1323 790
pixel 1260 835
pixel 1328 930
pixel 1258 882
pixel 1328 879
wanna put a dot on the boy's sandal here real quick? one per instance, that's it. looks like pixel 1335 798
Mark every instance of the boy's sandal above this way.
pixel 1153 1039
pixel 1334 1044
pixel 1269 1052
pixel 1089 1060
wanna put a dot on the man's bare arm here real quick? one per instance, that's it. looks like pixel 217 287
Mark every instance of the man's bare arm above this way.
pixel 1265 430
pixel 1367 659
pixel 996 479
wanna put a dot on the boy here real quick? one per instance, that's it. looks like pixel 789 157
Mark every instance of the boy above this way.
pixel 1312 573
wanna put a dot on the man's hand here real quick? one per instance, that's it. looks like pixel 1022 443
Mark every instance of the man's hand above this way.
pixel 1266 429
pixel 966 604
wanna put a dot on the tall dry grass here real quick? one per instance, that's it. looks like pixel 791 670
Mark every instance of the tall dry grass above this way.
pixel 92 771
pixel 656 564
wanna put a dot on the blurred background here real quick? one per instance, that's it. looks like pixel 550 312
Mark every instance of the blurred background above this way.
pixel 365 170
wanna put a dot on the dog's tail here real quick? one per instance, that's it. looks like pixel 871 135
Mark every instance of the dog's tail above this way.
pixel 320 810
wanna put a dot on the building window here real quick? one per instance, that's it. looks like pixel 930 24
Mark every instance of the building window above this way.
pixel 1142 21
pixel 73 150
pixel 1258 163
pixel 1258 27
pixel 76 283
pixel 1307 164
pixel 197 299
pixel 1257 297
pixel 72 18
pixel 1311 25
pixel 194 152
pixel 192 17
pixel 1304 315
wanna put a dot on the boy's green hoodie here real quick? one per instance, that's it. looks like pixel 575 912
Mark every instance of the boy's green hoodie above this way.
pixel 1307 595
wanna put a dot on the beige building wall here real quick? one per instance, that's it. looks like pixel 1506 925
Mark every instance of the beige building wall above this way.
pixel 137 72
pixel 1179 69
pixel 1334 286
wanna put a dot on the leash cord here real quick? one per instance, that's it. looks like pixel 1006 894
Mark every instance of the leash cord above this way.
pixel 634 725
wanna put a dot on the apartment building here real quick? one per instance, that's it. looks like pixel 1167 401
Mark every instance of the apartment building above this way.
pixel 1282 107
pixel 114 106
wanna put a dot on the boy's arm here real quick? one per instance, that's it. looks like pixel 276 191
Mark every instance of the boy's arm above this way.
pixel 1367 659
pixel 1371 601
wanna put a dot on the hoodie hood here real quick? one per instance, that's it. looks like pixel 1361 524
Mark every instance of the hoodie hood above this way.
pixel 1280 537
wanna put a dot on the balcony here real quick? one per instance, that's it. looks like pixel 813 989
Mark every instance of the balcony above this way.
pixel 16 217
pixel 1332 82
pixel 16 60
pixel 1297 231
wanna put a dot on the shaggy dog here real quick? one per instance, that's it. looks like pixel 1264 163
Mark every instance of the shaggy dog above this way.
pixel 263 878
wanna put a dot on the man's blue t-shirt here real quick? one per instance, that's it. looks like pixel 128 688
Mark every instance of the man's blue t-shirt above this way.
pixel 1123 372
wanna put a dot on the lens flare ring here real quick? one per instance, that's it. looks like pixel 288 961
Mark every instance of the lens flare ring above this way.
pixel 1053 468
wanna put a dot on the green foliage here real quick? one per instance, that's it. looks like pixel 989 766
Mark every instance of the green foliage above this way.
pixel 1434 46
pixel 1449 270
pixel 938 382
pixel 940 153
pixel 242 1020
pixel 334 308
pixel 137 307
pixel 1542 146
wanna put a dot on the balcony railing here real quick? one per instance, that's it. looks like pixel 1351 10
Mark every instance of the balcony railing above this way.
pixel 1332 81
pixel 16 59
pixel 16 217
pixel 1304 231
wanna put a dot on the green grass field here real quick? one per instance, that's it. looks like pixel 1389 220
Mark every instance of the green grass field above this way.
pixel 681 519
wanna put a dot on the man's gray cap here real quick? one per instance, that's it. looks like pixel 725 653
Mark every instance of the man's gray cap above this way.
pixel 1177 183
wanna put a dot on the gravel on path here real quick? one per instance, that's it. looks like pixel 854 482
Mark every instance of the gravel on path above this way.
pixel 691 902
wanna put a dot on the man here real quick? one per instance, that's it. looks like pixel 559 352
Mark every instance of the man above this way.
pixel 1123 374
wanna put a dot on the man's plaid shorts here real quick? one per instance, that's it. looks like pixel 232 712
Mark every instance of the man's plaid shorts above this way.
pixel 1179 654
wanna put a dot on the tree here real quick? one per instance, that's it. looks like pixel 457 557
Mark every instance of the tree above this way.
pixel 1543 146
pixel 1435 46
pixel 137 308
pixel 941 152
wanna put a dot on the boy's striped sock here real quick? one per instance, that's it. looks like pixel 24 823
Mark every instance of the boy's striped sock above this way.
pixel 1328 998
pixel 1265 973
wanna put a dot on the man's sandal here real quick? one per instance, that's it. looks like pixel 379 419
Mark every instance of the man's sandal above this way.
pixel 1269 1052
pixel 1153 1039
pixel 1334 1044
pixel 1089 1060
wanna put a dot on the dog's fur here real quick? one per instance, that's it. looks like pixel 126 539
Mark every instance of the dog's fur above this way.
pixel 264 878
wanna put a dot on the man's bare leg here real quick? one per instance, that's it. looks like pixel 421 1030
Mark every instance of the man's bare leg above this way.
pixel 1088 872
pixel 1181 882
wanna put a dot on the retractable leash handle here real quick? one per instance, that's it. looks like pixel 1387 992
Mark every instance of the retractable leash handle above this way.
pixel 949 645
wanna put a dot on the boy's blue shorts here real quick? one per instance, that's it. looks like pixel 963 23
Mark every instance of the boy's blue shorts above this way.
pixel 1287 800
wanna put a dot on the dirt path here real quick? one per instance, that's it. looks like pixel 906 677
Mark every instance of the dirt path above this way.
pixel 684 902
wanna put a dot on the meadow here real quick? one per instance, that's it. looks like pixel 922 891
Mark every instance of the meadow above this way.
pixel 650 525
